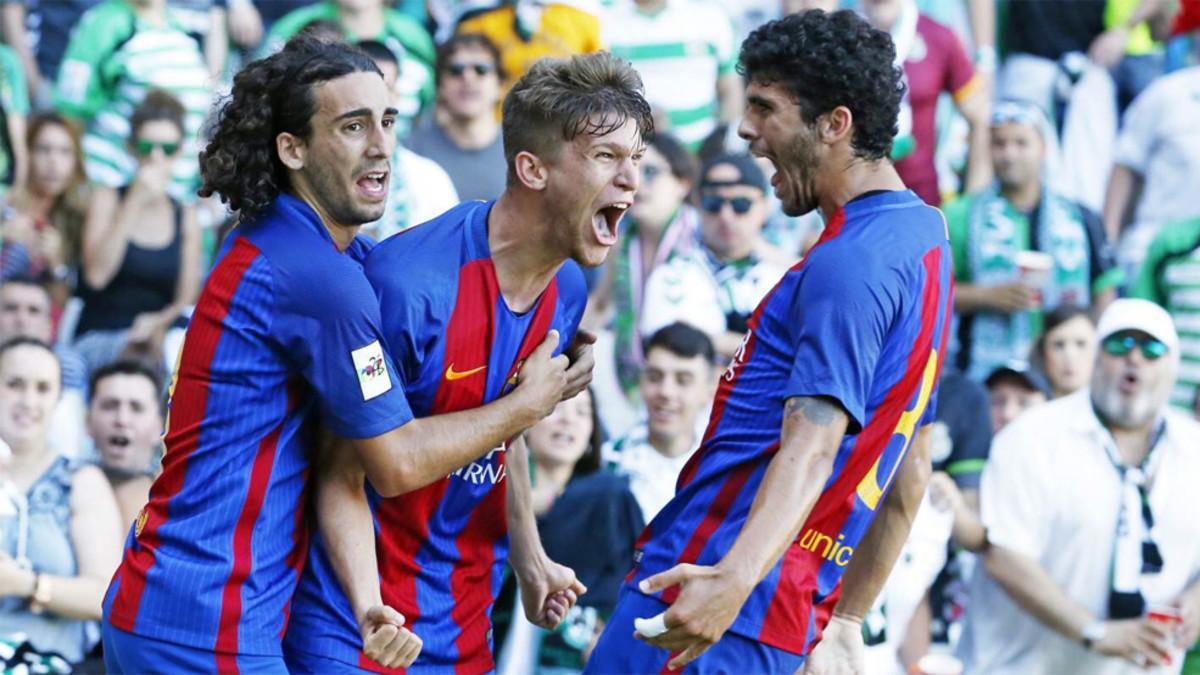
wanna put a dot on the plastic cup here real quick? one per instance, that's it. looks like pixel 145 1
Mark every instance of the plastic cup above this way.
pixel 1033 270
pixel 939 664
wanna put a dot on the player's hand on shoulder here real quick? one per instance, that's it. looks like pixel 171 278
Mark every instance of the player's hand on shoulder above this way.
pixel 385 639
pixel 840 651
pixel 582 362
pixel 543 378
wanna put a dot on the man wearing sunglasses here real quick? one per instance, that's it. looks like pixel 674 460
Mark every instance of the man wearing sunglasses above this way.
pixel 1089 506
pixel 717 287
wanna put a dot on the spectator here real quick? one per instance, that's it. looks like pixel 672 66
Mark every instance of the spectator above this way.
pixel 45 216
pixel 661 226
pixel 1013 389
pixel 463 132
pixel 1066 351
pixel 526 31
pixel 1000 303
pixel 418 189
pixel 677 385
pixel 685 52
pixel 14 109
pixel 717 288
pixel 141 248
pixel 1087 502
pixel 360 20
pixel 1169 277
pixel 59 550
pixel 38 31
pixel 125 420
pixel 25 312
pixel 586 518
pixel 121 50
pixel 934 61
pixel 1157 160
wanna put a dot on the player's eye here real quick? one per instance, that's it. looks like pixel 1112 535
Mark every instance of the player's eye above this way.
pixel 354 127
pixel 389 122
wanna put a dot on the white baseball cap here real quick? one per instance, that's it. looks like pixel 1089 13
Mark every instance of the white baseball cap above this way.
pixel 1141 315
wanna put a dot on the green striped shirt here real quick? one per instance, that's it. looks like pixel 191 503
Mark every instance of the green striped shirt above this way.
pixel 1170 276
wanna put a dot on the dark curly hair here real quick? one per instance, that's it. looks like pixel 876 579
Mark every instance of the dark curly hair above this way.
pixel 830 60
pixel 270 96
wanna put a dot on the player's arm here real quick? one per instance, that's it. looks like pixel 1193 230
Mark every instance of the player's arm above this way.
pixel 841 644
pixel 548 590
pixel 711 597
pixel 344 519
pixel 424 450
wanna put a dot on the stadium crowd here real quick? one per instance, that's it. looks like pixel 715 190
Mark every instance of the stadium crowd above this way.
pixel 1061 139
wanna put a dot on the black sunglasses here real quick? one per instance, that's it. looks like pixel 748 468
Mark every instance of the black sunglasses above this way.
pixel 459 69
pixel 714 204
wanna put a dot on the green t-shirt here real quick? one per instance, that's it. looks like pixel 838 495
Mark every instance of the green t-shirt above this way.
pixel 14 100
pixel 408 39
pixel 1170 276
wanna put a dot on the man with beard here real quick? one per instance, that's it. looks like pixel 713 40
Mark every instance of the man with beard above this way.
pixel 285 333
pixel 803 463
pixel 464 299
pixel 1089 505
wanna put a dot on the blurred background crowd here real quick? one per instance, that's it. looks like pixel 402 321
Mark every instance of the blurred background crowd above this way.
pixel 1061 138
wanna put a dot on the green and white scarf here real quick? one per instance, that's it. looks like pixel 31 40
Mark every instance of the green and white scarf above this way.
pixel 996 233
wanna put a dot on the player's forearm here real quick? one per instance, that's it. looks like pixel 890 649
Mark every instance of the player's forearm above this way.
pixel 345 522
pixel 1034 591
pixel 813 428
pixel 430 448
pixel 524 542
pixel 876 554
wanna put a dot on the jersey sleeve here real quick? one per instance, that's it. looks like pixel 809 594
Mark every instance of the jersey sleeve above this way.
pixel 958 213
pixel 331 331
pixel 841 322
pixel 1139 129
pixel 960 73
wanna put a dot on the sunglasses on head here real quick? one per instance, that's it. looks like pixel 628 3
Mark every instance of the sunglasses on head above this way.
pixel 714 204
pixel 1120 345
pixel 459 69
pixel 145 148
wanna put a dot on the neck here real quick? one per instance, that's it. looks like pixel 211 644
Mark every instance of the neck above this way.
pixel 857 177
pixel 672 446
pixel 364 23
pixel 1133 443
pixel 342 234
pixel 39 205
pixel 28 460
pixel 471 133
pixel 1023 197
pixel 554 476
pixel 154 12
pixel 517 232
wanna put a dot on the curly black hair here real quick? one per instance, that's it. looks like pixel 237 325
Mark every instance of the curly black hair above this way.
pixel 270 96
pixel 830 60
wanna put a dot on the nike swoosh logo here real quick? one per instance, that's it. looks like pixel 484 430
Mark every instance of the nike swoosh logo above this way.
pixel 453 375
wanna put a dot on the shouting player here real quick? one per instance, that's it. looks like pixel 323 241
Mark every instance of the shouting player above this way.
pixel 770 532
pixel 286 331
pixel 464 298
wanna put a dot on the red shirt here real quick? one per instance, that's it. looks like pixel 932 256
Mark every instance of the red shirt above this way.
pixel 937 62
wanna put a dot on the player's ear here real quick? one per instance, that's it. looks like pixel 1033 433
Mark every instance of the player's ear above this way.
pixel 292 150
pixel 531 170
pixel 835 125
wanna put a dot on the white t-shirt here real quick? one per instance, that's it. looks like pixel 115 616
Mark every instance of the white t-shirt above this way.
pixel 1049 491
pixel 652 475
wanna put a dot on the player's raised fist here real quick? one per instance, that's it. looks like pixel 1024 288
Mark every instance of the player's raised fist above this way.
pixel 385 639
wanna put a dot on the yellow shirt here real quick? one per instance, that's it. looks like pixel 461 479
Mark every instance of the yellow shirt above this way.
pixel 564 31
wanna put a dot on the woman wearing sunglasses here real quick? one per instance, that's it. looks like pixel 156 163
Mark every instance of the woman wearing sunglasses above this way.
pixel 141 248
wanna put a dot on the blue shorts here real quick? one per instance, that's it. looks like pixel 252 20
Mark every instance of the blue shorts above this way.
pixel 618 651
pixel 129 653
pixel 303 662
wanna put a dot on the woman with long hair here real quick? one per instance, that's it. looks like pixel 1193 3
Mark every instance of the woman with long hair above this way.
pixel 43 218
pixel 60 535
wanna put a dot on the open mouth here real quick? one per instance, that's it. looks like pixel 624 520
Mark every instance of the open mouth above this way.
pixel 606 221
pixel 1129 383
pixel 373 185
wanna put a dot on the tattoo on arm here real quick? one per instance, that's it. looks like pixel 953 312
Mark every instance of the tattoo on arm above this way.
pixel 817 410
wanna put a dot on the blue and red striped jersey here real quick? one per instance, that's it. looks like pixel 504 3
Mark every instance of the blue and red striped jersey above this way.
pixel 286 330
pixel 863 320
pixel 441 549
